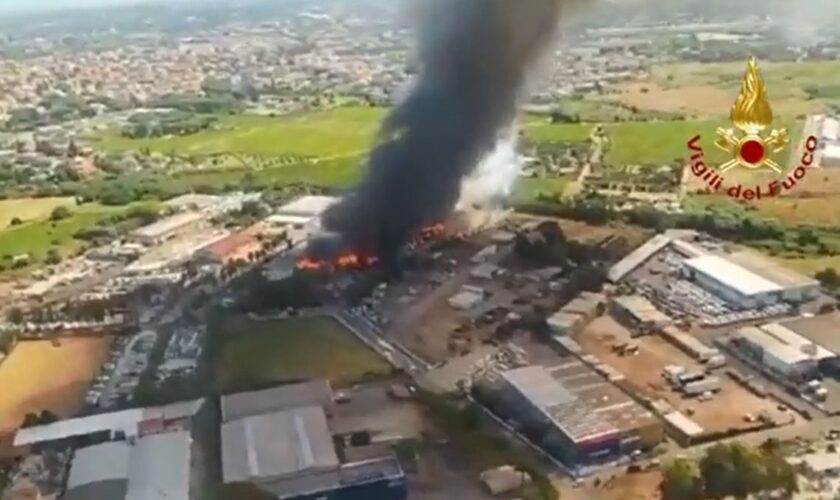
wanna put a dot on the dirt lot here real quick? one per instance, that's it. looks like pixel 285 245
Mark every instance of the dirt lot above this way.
pixel 644 373
pixel 40 375
pixel 642 486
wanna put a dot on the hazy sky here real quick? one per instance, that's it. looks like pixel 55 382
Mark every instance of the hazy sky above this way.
pixel 46 5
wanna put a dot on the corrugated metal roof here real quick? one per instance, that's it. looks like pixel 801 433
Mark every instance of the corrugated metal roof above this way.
pixel 247 404
pixel 577 419
pixel 277 445
pixel 125 421
pixel 732 275
pixel 684 424
pixel 307 205
pixel 160 467
pixel 637 257
pixel 102 462
pixel 642 309
pixel 793 339
pixel 168 224
pixel 772 346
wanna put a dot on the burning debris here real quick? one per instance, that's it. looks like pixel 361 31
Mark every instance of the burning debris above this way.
pixel 475 55
pixel 358 259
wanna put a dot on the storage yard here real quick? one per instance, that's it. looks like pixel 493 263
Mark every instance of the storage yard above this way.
pixel 732 407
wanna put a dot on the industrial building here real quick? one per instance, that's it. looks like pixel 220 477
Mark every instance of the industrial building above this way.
pixel 164 229
pixel 638 314
pixel 302 213
pixel 638 257
pixel 279 441
pixel 575 414
pixel 782 351
pixel 153 467
pixel 125 424
pixel 732 282
pixel 828 132
pixel 824 331
pixel 689 344
pixel 744 279
pixel 576 314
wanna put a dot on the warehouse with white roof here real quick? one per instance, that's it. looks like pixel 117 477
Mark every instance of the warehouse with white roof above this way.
pixel 782 350
pixel 732 282
pixel 154 467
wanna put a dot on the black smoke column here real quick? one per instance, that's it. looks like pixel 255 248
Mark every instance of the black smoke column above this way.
pixel 474 56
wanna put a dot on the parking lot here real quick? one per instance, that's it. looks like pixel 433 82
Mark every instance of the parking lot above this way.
pixel 120 375
pixel 660 280
pixel 732 408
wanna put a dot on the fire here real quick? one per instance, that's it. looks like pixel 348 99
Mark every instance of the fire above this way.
pixel 309 263
pixel 432 231
pixel 345 260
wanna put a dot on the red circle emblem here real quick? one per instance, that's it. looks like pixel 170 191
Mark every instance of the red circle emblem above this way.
pixel 752 151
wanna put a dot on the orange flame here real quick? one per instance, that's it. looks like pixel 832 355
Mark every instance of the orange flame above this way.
pixel 751 111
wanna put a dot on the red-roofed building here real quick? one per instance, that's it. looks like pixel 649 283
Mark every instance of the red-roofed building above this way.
pixel 237 246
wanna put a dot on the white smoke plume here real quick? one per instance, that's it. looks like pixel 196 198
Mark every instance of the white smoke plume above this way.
pixel 493 180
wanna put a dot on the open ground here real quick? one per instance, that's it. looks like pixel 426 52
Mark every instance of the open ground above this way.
pixel 644 374
pixel 637 486
pixel 48 375
pixel 709 89
pixel 262 352
pixel 27 209
pixel 339 131
pixel 36 237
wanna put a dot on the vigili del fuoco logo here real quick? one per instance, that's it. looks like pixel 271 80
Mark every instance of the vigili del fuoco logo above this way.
pixel 752 145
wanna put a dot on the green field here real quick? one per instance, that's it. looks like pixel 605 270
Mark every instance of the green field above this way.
pixel 39 236
pixel 264 352
pixel 336 132
pixel 27 209
pixel 782 78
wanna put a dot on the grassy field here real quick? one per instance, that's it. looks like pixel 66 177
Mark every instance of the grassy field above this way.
pixel 339 131
pixel 264 352
pixel 27 209
pixel 709 89
pixel 40 375
pixel 648 142
pixel 38 236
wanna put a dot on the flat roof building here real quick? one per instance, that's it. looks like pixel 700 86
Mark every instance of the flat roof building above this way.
pixel 781 350
pixel 154 467
pixel 279 441
pixel 245 404
pixel 749 280
pixel 589 419
pixel 732 282
pixel 125 424
pixel 269 447
pixel 637 257
pixel 166 228
pixel 639 313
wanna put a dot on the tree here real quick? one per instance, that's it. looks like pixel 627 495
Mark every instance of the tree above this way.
pixel 829 277
pixel 60 213
pixel 53 257
pixel 15 315
pixel 15 221
pixel 680 482
pixel 749 470
pixel 717 472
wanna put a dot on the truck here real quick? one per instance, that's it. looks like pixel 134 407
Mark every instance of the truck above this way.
pixel 698 387
pixel 716 361
pixel 688 378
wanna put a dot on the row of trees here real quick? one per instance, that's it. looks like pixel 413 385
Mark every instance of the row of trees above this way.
pixel 730 470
